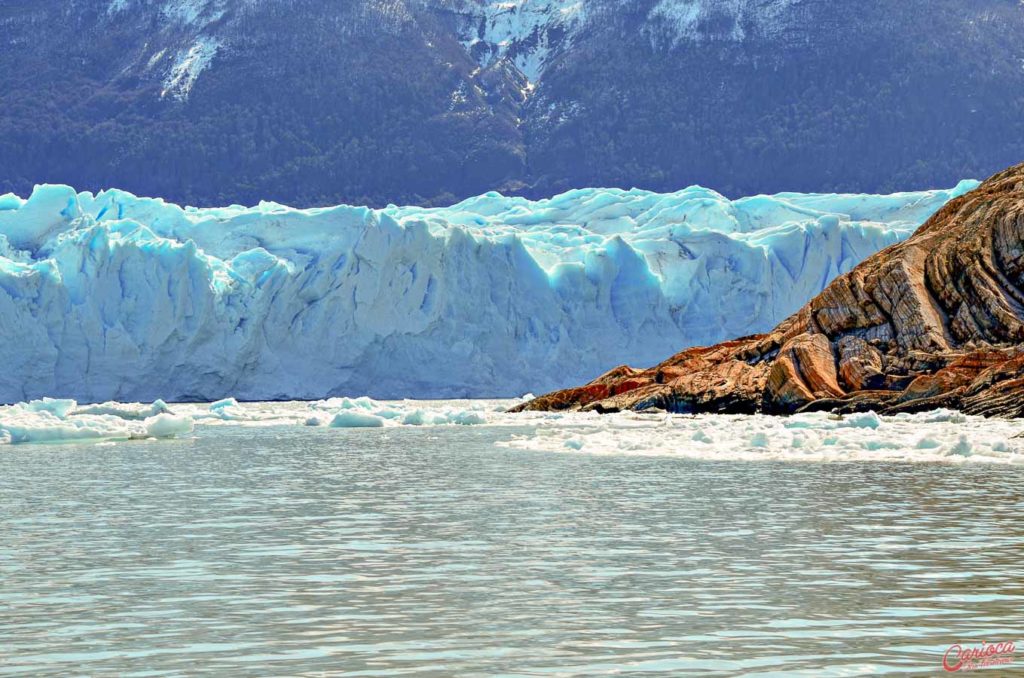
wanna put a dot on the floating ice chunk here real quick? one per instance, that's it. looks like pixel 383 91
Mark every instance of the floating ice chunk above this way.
pixel 57 407
pixel 874 444
pixel 22 424
pixel 228 409
pixel 168 426
pixel 351 419
pixel 803 439
pixel 467 419
pixel 415 418
pixel 363 403
pixel 943 415
pixel 61 421
pixel 701 437
pixel 223 404
pixel 133 411
pixel 962 448
pixel 862 420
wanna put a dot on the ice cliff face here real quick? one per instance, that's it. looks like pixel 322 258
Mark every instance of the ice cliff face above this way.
pixel 113 297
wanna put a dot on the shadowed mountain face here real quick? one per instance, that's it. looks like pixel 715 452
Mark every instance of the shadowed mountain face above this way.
pixel 936 321
pixel 424 101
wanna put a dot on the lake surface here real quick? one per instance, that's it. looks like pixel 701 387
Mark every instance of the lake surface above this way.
pixel 443 551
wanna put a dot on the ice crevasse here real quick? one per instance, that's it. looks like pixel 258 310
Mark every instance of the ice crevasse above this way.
pixel 114 297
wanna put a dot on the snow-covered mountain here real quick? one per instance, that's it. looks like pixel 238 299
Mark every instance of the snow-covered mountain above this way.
pixel 529 33
pixel 113 297
pixel 532 34
pixel 429 101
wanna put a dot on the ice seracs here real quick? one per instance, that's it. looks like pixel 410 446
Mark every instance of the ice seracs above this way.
pixel 115 297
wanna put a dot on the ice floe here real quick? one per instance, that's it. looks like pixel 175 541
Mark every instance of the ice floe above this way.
pixel 938 436
pixel 53 421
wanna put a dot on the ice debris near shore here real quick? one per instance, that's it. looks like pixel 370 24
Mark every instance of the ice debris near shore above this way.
pixel 65 421
pixel 110 296
pixel 939 436
pixel 52 420
pixel 361 412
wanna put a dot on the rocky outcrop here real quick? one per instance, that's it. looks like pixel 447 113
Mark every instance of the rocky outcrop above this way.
pixel 936 321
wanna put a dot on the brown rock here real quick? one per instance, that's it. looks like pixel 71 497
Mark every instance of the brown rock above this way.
pixel 804 371
pixel 860 364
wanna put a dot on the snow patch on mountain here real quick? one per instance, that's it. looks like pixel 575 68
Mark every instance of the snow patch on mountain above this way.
pixel 187 12
pixel 530 33
pixel 186 38
pixel 703 20
pixel 194 11
pixel 188 66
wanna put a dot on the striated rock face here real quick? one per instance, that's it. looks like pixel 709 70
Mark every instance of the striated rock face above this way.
pixel 936 321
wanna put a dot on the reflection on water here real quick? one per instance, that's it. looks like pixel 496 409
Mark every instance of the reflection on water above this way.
pixel 386 552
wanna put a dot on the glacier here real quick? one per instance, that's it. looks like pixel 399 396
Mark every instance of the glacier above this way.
pixel 113 297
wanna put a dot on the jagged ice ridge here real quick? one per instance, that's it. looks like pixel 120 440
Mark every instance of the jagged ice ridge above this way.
pixel 114 297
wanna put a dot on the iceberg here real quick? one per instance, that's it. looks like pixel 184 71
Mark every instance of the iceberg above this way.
pixel 356 420
pixel 113 297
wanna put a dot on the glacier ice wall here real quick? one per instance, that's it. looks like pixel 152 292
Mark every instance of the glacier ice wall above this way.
pixel 114 297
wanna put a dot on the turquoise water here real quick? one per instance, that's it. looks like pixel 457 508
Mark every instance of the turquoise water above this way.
pixel 290 551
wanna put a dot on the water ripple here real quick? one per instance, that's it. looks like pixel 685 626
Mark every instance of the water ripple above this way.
pixel 312 552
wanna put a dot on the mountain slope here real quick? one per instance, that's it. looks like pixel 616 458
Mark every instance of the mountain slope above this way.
pixel 427 101
pixel 935 321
